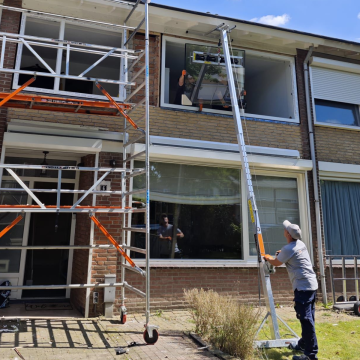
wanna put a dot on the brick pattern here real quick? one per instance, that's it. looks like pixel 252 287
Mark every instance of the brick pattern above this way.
pixel 138 43
pixel 167 286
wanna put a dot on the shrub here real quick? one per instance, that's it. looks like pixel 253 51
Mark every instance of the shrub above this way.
pixel 226 324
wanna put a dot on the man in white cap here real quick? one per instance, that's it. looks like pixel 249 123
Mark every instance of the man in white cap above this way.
pixel 298 264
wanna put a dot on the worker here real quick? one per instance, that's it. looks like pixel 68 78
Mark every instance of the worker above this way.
pixel 165 232
pixel 296 258
pixel 185 84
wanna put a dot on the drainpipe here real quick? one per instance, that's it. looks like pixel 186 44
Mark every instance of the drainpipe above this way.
pixel 315 176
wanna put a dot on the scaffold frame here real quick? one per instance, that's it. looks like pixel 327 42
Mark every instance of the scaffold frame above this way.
pixel 127 173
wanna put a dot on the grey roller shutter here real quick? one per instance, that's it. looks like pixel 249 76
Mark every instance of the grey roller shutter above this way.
pixel 335 85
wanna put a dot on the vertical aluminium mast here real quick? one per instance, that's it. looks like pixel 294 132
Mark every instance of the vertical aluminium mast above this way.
pixel 276 340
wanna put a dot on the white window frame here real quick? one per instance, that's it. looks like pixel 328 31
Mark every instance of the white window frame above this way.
pixel 247 261
pixel 318 123
pixel 296 118
pixel 56 90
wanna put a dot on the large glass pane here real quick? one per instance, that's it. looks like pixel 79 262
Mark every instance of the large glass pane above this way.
pixel 80 61
pixel 29 62
pixel 203 210
pixel 277 200
pixel 205 81
pixel 332 112
pixel 10 259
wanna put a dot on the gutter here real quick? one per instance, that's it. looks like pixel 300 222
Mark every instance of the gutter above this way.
pixel 315 176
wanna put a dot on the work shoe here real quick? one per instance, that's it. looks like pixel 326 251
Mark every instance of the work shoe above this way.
pixel 296 347
pixel 303 357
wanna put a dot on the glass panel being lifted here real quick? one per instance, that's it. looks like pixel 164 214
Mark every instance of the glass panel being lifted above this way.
pixel 204 82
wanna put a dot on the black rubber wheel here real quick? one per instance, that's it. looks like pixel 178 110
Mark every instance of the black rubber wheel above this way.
pixel 352 298
pixel 153 340
pixel 340 299
pixel 122 318
pixel 357 308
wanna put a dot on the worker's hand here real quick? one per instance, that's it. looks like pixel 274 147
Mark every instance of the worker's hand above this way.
pixel 268 257
pixel 278 252
pixel 169 238
pixel 183 73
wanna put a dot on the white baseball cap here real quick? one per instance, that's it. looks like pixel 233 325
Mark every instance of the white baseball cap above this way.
pixel 293 229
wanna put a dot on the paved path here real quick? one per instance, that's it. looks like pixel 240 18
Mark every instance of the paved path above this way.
pixel 97 339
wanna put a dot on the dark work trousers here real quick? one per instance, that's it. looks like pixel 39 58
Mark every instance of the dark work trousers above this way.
pixel 305 312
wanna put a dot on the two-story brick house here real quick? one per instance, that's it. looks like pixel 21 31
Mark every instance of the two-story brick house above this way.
pixel 195 176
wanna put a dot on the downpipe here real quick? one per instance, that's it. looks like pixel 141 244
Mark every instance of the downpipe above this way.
pixel 315 176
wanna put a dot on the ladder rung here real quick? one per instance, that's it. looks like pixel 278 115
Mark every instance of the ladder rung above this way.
pixel 137 122
pixel 140 230
pixel 134 140
pixel 136 249
pixel 138 73
pixel 140 103
pixel 136 291
pixel 134 156
pixel 136 173
pixel 133 93
pixel 135 62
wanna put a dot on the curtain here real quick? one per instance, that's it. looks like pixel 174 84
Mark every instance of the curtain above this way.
pixel 341 215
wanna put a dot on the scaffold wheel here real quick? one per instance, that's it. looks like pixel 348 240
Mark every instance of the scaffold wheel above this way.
pixel 148 339
pixel 357 308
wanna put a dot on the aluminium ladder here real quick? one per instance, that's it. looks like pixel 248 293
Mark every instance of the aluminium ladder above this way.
pixel 115 108
pixel 276 339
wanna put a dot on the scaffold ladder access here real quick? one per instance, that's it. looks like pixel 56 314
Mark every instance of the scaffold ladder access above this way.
pixel 119 106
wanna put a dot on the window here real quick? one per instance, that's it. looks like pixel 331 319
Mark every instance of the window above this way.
pixel 341 209
pixel 204 203
pixel 268 80
pixel 277 200
pixel 203 206
pixel 109 68
pixel 336 113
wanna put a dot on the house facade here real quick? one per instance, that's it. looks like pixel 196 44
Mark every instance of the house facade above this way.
pixel 301 125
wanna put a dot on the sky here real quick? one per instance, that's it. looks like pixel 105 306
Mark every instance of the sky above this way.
pixel 333 18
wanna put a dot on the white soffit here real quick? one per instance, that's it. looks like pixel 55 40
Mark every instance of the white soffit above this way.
pixel 58 129
pixel 207 152
pixel 49 143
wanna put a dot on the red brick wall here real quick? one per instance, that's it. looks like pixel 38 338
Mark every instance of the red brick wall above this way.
pixel 168 284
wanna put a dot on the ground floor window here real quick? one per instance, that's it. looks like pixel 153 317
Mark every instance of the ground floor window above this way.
pixel 196 212
pixel 341 209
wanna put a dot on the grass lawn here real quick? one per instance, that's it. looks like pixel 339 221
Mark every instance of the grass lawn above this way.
pixel 338 337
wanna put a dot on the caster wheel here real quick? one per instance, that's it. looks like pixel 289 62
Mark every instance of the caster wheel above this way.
pixel 123 318
pixel 352 298
pixel 357 308
pixel 340 299
pixel 149 340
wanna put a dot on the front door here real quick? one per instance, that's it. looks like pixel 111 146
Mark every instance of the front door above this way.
pixel 48 267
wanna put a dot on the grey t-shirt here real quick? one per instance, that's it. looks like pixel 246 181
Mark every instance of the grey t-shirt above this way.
pixel 298 264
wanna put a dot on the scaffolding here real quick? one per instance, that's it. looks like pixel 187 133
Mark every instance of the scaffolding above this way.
pixel 129 59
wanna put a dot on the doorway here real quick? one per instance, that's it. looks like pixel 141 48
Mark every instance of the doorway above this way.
pixel 44 267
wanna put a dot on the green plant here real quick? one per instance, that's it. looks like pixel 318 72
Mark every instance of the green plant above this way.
pixel 327 306
pixel 158 313
pixel 226 324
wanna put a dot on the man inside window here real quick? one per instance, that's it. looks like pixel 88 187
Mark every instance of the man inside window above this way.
pixel 166 233
pixel 298 264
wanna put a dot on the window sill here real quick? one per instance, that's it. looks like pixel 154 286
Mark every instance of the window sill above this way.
pixel 338 126
pixel 199 263
pixel 210 112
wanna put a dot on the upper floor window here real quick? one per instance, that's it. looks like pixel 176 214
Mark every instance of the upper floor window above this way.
pixel 194 77
pixel 79 61
pixel 336 113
